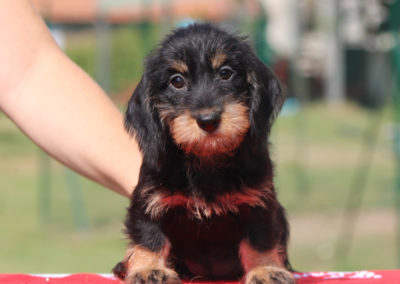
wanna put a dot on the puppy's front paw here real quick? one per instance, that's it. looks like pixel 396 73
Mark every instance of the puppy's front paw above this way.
pixel 153 276
pixel 269 275
pixel 119 270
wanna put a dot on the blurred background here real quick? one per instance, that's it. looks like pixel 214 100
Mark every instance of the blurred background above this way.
pixel 335 145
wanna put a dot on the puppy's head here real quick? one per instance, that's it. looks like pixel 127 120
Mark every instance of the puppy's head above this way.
pixel 205 91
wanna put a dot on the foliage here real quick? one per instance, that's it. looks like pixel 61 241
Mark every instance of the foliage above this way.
pixel 130 44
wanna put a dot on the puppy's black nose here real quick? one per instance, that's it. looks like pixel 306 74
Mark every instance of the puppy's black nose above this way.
pixel 209 121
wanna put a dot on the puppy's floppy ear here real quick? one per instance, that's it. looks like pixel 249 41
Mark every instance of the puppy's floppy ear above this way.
pixel 267 96
pixel 142 121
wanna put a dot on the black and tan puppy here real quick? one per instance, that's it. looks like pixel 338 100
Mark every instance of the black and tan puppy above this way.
pixel 205 205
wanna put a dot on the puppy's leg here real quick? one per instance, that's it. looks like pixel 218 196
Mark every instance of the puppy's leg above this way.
pixel 263 253
pixel 146 260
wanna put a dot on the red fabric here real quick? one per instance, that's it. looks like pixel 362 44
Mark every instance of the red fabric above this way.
pixel 362 277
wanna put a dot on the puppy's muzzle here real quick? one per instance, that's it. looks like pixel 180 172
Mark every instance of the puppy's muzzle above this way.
pixel 211 131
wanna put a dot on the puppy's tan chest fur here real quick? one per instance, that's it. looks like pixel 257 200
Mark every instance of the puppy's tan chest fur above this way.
pixel 198 207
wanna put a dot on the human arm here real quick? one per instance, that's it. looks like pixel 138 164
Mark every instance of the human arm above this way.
pixel 57 105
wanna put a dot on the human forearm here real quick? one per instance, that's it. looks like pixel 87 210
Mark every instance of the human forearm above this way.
pixel 69 116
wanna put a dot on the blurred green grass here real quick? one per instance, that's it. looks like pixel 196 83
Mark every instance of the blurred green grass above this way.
pixel 317 156
pixel 29 245
pixel 315 153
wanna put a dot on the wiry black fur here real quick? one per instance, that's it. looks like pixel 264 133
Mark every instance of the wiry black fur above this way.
pixel 206 246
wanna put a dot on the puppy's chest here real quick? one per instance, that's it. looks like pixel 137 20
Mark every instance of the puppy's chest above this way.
pixel 183 229
pixel 206 247
pixel 197 205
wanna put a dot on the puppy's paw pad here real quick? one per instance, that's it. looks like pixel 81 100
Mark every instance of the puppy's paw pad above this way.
pixel 154 276
pixel 269 275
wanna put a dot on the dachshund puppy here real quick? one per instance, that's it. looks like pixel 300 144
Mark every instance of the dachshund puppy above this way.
pixel 205 204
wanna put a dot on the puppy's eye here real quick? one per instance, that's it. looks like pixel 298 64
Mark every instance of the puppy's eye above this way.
pixel 225 73
pixel 177 81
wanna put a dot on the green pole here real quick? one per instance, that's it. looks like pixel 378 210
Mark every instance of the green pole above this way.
pixel 76 198
pixel 396 105
pixel 261 46
pixel 394 25
pixel 44 188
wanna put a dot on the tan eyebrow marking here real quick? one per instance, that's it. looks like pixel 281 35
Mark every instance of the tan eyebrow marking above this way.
pixel 218 59
pixel 179 66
